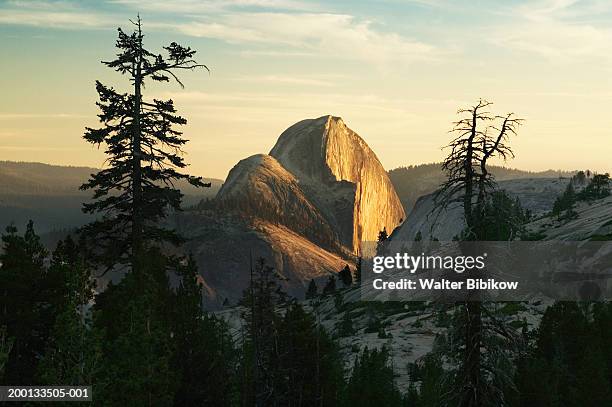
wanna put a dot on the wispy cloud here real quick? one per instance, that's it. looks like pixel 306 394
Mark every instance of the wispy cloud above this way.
pixel 54 19
pixel 288 80
pixel 199 6
pixel 324 34
pixel 282 25
pixel 15 116
pixel 53 14
pixel 558 29
pixel 272 53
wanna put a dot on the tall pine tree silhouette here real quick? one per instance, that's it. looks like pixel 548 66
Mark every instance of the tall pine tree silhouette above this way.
pixel 132 196
pixel 144 148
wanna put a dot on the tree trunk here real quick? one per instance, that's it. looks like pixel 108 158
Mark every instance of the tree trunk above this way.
pixel 473 338
pixel 137 222
pixel 473 331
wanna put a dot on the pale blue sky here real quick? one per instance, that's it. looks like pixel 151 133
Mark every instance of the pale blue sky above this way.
pixel 396 71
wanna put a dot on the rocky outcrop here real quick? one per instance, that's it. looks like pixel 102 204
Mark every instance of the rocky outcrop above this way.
pixel 535 194
pixel 306 207
pixel 261 188
pixel 342 176
pixel 225 247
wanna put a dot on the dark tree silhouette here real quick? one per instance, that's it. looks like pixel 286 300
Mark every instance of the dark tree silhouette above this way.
pixel 330 286
pixel 381 241
pixel 570 356
pixel 312 290
pixel 372 381
pixel 346 276
pixel 204 347
pixel 144 151
pixel 132 195
pixel 579 178
pixel 564 204
pixel 358 271
pixel 469 183
pixel 27 298
pixel 73 351
pixel 6 344
pixel 598 187
pixel 262 300
pixel 477 139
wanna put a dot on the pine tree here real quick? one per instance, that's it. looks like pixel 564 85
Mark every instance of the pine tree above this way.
pixel 541 392
pixel 371 382
pixel 569 358
pixel 139 347
pixel 28 299
pixel 260 364
pixel 345 325
pixel 346 276
pixel 330 286
pixel 310 371
pixel 73 353
pixel 602 325
pixel 144 147
pixel 431 376
pixel 132 196
pixel 563 206
pixel 580 178
pixel 502 218
pixel 312 290
pixel 593 387
pixel 381 241
pixel 204 356
pixel 597 188
pixel 358 271
pixel 6 344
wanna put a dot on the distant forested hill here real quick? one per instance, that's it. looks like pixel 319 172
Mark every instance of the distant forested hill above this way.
pixel 24 178
pixel 414 181
pixel 50 196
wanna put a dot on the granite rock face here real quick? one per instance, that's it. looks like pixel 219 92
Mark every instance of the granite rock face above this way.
pixel 535 194
pixel 225 248
pixel 342 176
pixel 306 207
pixel 260 188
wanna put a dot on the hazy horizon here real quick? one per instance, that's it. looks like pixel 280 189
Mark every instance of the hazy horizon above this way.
pixel 508 167
pixel 396 72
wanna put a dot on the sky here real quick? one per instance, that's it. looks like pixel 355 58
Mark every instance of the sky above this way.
pixel 396 71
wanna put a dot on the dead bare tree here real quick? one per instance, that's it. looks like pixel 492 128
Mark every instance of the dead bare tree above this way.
pixel 477 139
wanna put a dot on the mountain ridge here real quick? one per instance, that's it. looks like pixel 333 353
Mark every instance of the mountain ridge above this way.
pixel 414 181
pixel 49 195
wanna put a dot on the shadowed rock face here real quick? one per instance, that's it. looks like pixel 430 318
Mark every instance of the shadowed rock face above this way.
pixel 342 176
pixel 261 188
pixel 225 248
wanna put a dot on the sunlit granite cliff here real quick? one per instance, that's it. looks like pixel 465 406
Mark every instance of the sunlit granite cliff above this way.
pixel 305 207
pixel 343 176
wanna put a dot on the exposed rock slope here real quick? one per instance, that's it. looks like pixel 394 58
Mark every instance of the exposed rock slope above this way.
pixel 535 194
pixel 343 176
pixel 306 208
pixel 593 221
pixel 260 187
pixel 225 247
